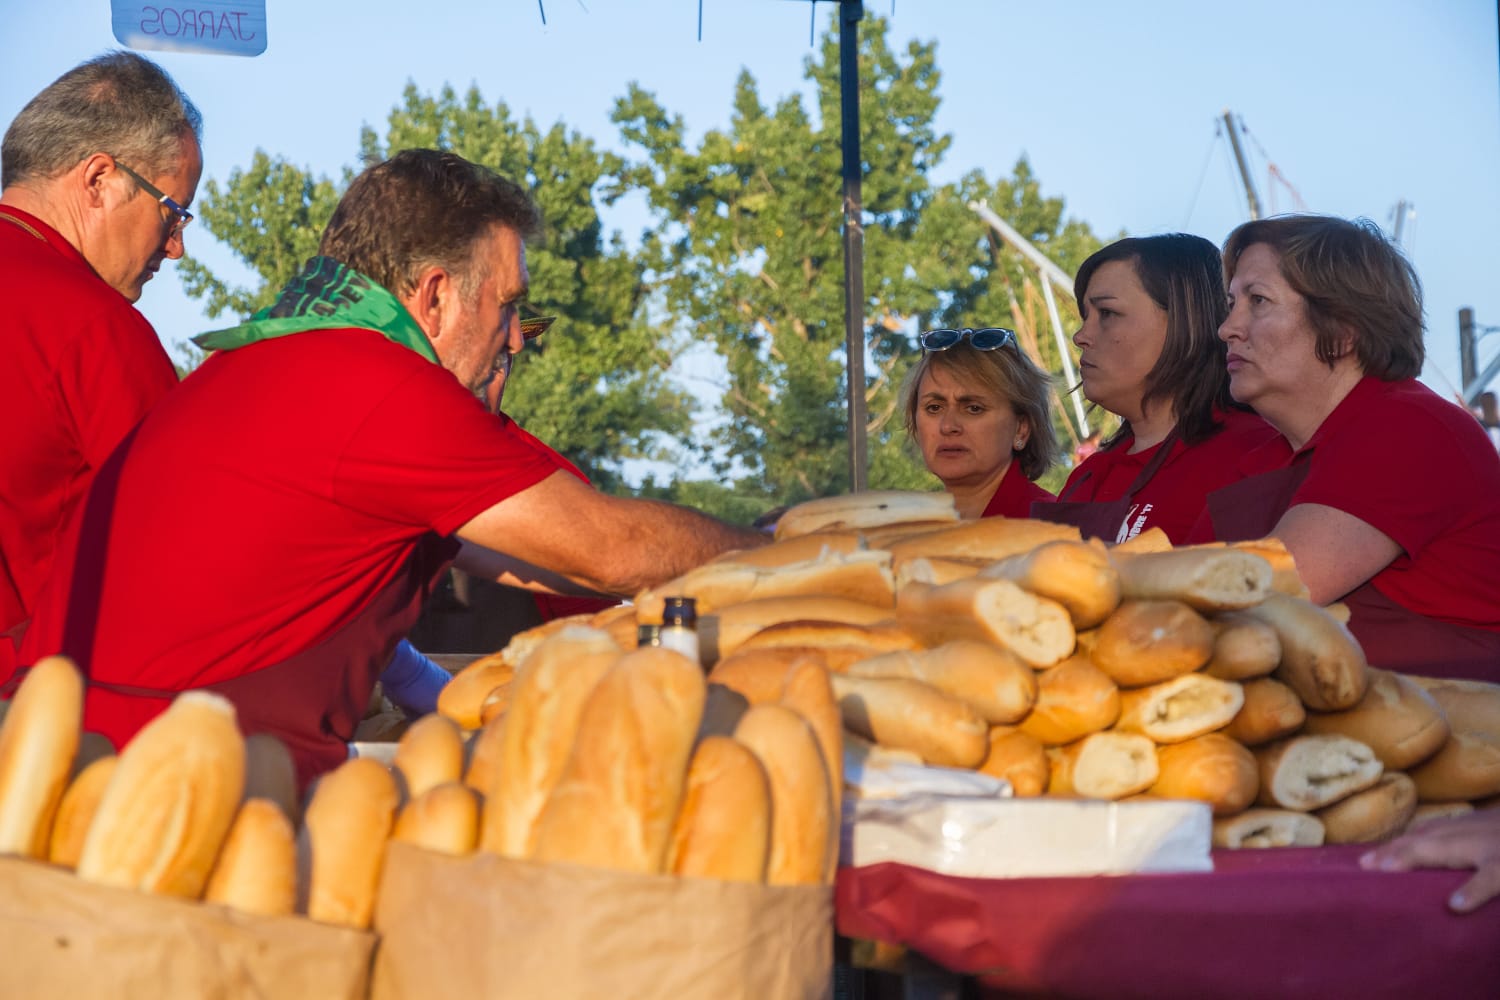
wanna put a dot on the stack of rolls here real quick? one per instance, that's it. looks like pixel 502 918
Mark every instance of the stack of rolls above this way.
pixel 1069 668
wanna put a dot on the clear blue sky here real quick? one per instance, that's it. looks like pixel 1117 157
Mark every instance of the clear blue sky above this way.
pixel 1359 103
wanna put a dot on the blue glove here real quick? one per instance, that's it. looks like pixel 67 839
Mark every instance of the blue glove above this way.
pixel 413 681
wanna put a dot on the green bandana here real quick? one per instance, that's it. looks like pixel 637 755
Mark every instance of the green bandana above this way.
pixel 326 295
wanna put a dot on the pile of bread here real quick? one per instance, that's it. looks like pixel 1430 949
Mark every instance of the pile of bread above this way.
pixel 1072 668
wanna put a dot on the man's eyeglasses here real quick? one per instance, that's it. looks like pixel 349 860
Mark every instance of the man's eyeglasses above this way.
pixel 181 216
pixel 989 338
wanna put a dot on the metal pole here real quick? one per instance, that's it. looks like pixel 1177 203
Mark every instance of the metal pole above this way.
pixel 1468 360
pixel 1239 158
pixel 851 12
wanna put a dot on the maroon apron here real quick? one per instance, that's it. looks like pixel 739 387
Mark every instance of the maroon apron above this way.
pixel 1102 519
pixel 1393 637
pixel 313 700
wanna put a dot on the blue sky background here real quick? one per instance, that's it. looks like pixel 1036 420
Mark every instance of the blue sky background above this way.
pixel 1358 103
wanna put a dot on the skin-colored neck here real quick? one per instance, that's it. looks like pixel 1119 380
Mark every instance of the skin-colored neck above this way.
pixel 46 204
pixel 1151 427
pixel 1299 415
pixel 971 498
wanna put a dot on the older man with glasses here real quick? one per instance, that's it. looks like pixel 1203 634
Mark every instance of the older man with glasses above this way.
pixel 94 175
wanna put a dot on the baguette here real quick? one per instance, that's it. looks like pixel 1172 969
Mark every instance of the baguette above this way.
pixel 1074 698
pixel 1320 660
pixel 1375 814
pixel 989 539
pixel 1285 578
pixel 992 681
pixel 721 632
pixel 76 811
pixel 1077 575
pixel 1211 768
pixel 802 820
pixel 1470 706
pixel 1151 540
pixel 861 575
pixel 482 771
pixel 1268 828
pixel 1104 766
pixel 341 848
pixel 167 809
pixel 869 509
pixel 937 570
pixel 837 644
pixel 1017 758
pixel 809 693
pixel 759 675
pixel 442 818
pixel 998 612
pixel 1395 718
pixel 622 785
pixel 1309 772
pixel 796 549
pixel 1147 642
pixel 496 703
pixel 38 740
pixel 462 698
pixel 431 753
pixel 723 830
pixel 1180 709
pixel 257 868
pixel 619 623
pixel 538 732
pixel 1271 710
pixel 1205 578
pixel 910 715
pixel 1244 648
pixel 1467 767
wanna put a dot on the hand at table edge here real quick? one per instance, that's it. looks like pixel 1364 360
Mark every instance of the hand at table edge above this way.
pixel 1471 841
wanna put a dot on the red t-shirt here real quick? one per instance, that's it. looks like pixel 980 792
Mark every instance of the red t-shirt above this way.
pixel 1015 495
pixel 1422 470
pixel 261 506
pixel 80 368
pixel 1175 497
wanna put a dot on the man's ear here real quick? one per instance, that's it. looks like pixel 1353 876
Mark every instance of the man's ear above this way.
pixel 93 173
pixel 434 294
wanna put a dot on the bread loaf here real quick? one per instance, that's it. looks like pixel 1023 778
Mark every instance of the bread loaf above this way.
pixel 38 739
pixel 869 509
pixel 1074 698
pixel 1320 660
pixel 341 847
pixel 619 623
pixel 431 753
pixel 1211 768
pixel 1150 540
pixel 1309 772
pixel 801 799
pixel 1077 575
pixel 998 612
pixel 759 675
pixel 796 549
pixel 1018 758
pixel 442 818
pixel 1375 814
pixel 721 632
pixel 619 792
pixel 462 698
pixel 1244 648
pixel 482 770
pixel 1180 709
pixel 860 575
pixel 1469 706
pixel 936 571
pixel 1285 579
pixel 168 807
pixel 809 692
pixel 271 774
pixel 496 703
pixel 1467 767
pixel 257 868
pixel 537 734
pixel 992 681
pixel 723 829
pixel 1147 642
pixel 1271 710
pixel 989 539
pixel 1268 828
pixel 836 644
pixel 910 715
pixel 1395 718
pixel 1108 765
pixel 1206 578
pixel 76 811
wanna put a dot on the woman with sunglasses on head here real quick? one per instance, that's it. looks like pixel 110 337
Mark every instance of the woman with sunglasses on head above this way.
pixel 976 405
pixel 1150 354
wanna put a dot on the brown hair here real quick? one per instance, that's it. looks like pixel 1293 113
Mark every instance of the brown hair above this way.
pixel 1362 293
pixel 419 209
pixel 1010 375
pixel 1182 275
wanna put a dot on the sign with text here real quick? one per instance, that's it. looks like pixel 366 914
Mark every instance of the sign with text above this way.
pixel 225 27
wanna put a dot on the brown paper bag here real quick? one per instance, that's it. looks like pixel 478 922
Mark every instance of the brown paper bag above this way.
pixel 62 937
pixel 490 928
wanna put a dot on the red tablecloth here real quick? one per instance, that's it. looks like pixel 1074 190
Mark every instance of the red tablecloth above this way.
pixel 1264 924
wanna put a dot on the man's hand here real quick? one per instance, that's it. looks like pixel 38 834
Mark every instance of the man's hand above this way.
pixel 1471 841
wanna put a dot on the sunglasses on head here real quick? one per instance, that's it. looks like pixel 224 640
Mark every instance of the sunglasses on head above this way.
pixel 989 338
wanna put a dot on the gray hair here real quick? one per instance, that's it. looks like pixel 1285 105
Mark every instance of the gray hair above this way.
pixel 118 103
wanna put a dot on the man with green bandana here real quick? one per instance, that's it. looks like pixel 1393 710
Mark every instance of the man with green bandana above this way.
pixel 324 466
